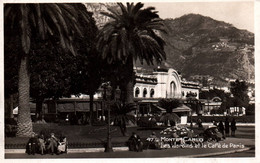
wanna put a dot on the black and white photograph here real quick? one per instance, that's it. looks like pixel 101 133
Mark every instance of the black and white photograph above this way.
pixel 143 79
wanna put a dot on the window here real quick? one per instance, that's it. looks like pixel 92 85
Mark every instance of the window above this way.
pixel 144 92
pixel 151 92
pixel 137 91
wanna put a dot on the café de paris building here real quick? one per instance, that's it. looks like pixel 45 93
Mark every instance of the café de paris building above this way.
pixel 161 83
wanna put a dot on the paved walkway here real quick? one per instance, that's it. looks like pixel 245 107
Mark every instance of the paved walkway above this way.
pixel 244 141
pixel 230 145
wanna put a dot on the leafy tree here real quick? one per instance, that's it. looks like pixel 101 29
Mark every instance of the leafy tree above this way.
pixel 250 110
pixel 11 66
pixel 87 77
pixel 88 65
pixel 50 73
pixel 22 22
pixel 239 91
pixel 213 93
pixel 66 74
pixel 131 34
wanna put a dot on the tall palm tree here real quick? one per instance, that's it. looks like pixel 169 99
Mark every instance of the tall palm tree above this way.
pixel 23 22
pixel 132 33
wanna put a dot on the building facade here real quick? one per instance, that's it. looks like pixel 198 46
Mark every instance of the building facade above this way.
pixel 163 83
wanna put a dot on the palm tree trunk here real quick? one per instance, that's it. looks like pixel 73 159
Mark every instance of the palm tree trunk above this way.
pixel 24 121
pixel 130 82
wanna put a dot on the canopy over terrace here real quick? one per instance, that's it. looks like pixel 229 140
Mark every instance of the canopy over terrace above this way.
pixel 72 107
pixel 75 105
pixel 182 108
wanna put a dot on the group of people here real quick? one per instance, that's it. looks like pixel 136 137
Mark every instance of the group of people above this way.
pixel 134 143
pixel 42 145
pixel 226 127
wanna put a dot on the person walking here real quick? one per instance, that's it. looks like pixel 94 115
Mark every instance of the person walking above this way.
pixel 227 127
pixel 199 122
pixel 233 127
pixel 221 128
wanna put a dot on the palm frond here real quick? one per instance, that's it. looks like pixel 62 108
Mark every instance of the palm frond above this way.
pixel 134 28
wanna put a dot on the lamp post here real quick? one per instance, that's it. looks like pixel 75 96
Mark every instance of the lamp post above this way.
pixel 107 94
pixel 117 94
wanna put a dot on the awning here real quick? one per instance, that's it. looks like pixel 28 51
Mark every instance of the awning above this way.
pixel 69 107
pixel 158 108
pixel 32 109
pixel 182 108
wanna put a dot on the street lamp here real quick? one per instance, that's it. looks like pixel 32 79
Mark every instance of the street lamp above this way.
pixel 117 93
pixel 107 95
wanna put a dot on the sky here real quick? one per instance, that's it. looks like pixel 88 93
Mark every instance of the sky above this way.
pixel 239 13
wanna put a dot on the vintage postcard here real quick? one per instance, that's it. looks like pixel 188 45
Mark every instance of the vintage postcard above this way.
pixel 129 80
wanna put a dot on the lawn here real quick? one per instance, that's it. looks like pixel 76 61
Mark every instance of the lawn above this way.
pixel 80 135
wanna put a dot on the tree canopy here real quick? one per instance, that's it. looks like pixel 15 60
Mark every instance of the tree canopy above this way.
pixel 58 23
pixel 239 90
pixel 132 33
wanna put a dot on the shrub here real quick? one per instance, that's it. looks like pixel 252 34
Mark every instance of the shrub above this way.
pixel 10 127
pixel 146 122
pixel 250 110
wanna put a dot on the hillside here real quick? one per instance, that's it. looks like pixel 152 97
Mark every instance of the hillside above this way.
pixel 199 45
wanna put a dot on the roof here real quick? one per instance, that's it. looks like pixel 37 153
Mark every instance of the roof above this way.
pixel 79 107
pixel 182 108
pixel 158 108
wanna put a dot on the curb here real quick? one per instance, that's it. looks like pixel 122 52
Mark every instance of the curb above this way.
pixel 216 153
pixel 117 149
pixel 92 150
pixel 73 150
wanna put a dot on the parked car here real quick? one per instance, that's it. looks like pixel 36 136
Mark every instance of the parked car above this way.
pixel 212 134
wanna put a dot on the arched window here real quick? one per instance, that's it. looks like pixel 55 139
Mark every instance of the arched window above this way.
pixel 172 89
pixel 137 91
pixel 144 92
pixel 151 92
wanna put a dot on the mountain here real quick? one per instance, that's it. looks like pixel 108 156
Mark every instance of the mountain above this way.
pixel 201 46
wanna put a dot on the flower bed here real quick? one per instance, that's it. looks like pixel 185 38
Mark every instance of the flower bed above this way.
pixel 241 119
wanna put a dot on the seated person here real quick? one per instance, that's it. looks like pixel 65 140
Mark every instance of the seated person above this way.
pixel 62 146
pixel 32 145
pixel 53 143
pixel 41 144
pixel 134 143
